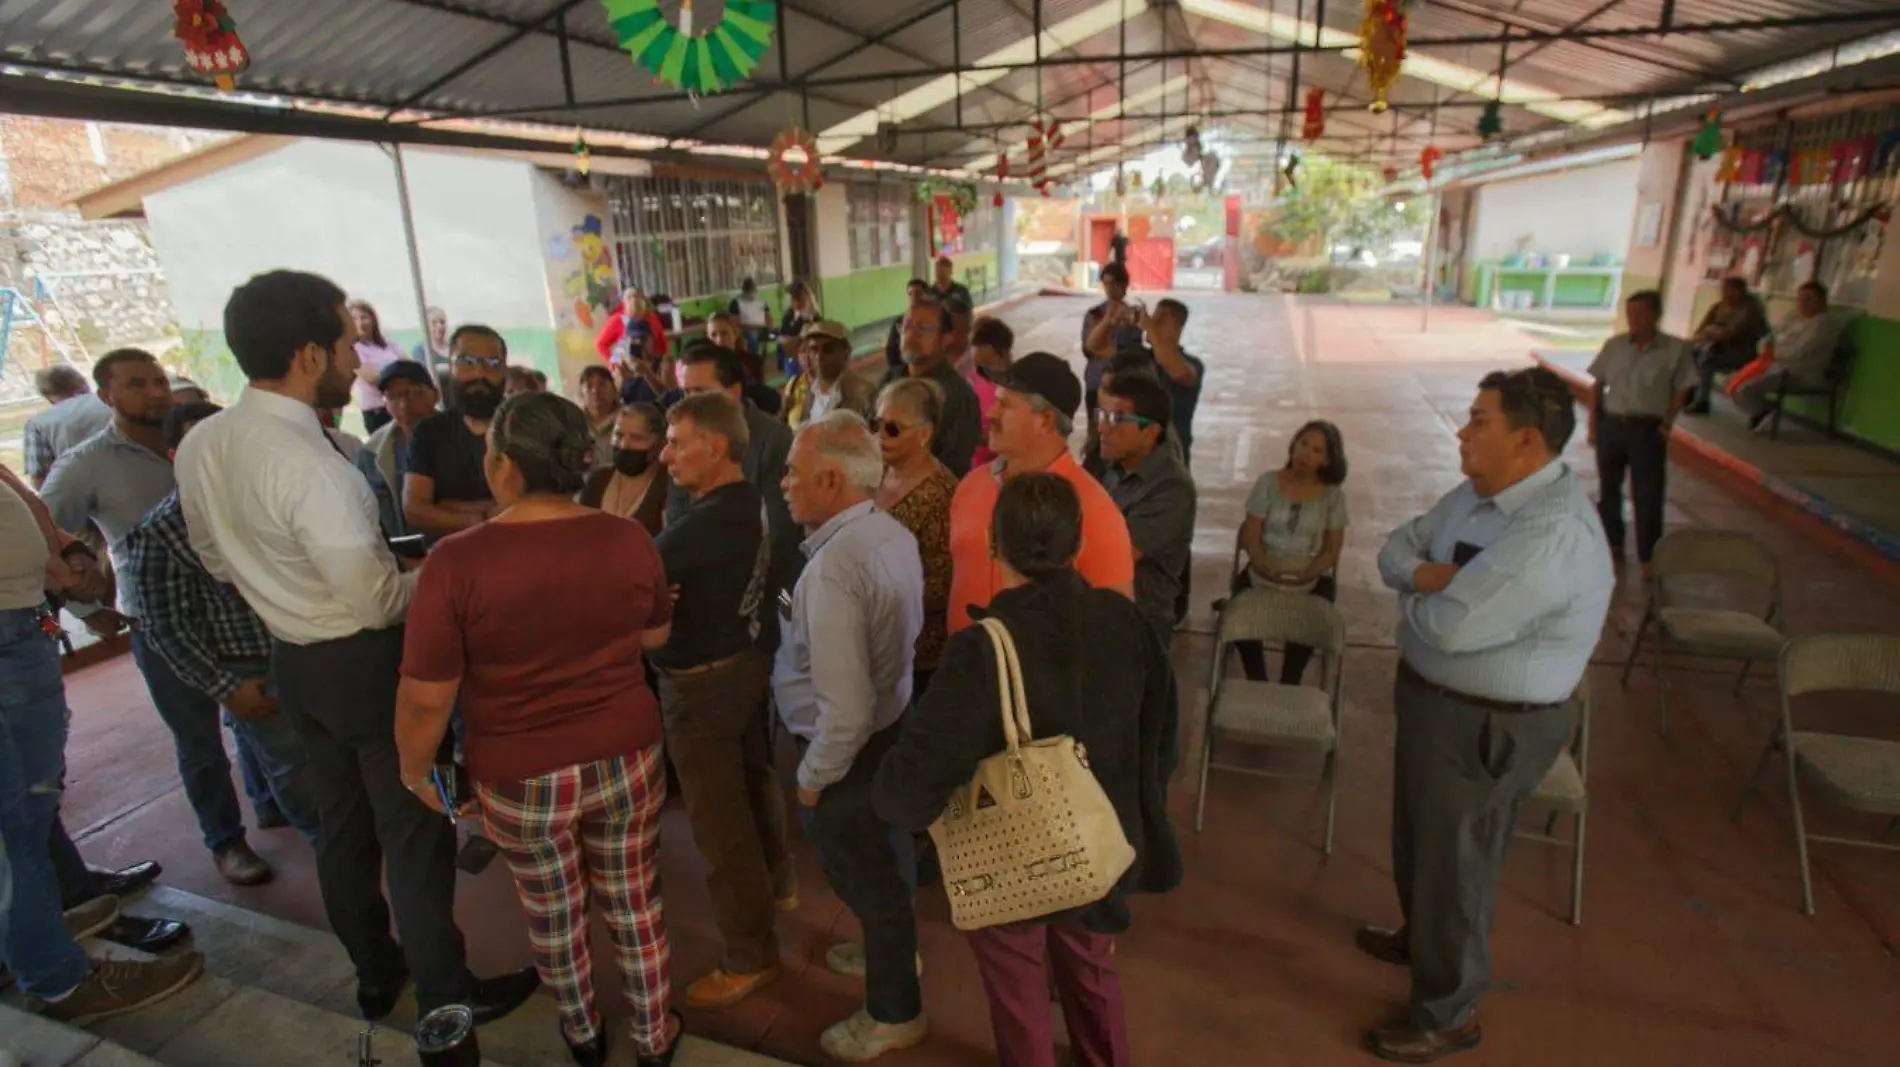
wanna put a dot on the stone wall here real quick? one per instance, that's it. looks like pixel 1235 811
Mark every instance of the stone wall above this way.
pixel 103 275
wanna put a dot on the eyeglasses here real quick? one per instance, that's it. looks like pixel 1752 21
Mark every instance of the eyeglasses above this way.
pixel 890 428
pixel 484 362
pixel 1122 418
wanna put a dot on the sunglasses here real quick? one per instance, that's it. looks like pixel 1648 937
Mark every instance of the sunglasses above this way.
pixel 1122 418
pixel 890 428
pixel 485 362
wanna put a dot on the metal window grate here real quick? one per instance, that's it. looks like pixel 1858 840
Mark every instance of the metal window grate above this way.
pixel 691 237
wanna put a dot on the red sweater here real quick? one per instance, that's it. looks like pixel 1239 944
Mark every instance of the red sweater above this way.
pixel 616 329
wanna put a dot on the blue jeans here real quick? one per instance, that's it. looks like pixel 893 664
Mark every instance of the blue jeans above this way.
pixel 32 757
pixel 271 760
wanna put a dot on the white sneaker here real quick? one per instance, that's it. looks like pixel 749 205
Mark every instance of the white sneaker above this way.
pixel 861 1038
pixel 847 958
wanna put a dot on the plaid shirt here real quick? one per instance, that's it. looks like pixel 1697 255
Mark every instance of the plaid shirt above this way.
pixel 40 454
pixel 196 622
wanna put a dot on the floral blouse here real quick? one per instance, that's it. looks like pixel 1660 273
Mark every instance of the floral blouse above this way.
pixel 925 512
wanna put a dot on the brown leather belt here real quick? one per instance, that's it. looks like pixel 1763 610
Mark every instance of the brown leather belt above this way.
pixel 1508 707
pixel 703 668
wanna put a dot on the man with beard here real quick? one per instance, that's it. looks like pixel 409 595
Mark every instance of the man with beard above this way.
pixel 445 489
pixel 110 482
pixel 929 330
pixel 273 508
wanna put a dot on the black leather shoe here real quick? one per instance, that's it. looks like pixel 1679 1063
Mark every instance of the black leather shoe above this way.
pixel 665 1059
pixel 1386 946
pixel 151 936
pixel 1410 1044
pixel 495 997
pixel 378 998
pixel 129 879
pixel 593 1053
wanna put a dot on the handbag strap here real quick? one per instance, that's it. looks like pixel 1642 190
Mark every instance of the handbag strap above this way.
pixel 1009 684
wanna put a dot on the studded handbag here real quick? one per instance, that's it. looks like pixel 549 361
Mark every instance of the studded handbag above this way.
pixel 1033 833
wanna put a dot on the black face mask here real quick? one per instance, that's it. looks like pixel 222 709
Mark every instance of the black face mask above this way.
pixel 477 399
pixel 631 463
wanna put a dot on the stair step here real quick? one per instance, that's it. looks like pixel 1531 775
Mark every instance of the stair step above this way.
pixel 41 1042
pixel 260 966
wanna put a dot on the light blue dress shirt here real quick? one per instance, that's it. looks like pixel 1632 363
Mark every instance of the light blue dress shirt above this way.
pixel 843 670
pixel 1520 620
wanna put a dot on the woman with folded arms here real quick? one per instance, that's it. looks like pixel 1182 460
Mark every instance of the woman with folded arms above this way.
pixel 562 733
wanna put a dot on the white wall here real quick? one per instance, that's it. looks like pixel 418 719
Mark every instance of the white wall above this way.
pixel 831 232
pixel 1584 212
pixel 331 207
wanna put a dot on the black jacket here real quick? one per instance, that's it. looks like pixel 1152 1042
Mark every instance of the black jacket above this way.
pixel 1092 669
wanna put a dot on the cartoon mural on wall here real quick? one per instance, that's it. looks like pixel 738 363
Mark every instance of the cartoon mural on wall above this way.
pixel 590 284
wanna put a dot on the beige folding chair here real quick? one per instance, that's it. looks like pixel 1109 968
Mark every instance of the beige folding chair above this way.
pixel 1722 633
pixel 1859 773
pixel 1265 714
pixel 1565 791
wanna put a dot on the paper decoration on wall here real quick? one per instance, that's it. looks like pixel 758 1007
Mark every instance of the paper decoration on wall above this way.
pixel 1428 158
pixel 583 156
pixel 1708 139
pixel 793 162
pixel 1315 123
pixel 210 37
pixel 685 57
pixel 1382 46
pixel 1491 123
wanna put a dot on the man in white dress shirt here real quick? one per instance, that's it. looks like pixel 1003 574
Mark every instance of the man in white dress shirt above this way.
pixel 1503 587
pixel 274 508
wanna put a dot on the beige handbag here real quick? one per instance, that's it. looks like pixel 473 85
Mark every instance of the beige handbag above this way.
pixel 1033 833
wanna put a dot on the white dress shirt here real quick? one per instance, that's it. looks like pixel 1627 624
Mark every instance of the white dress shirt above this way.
pixel 1520 620
pixel 275 509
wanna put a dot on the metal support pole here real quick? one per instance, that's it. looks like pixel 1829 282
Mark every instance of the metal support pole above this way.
pixel 409 241
pixel 1431 267
pixel 956 53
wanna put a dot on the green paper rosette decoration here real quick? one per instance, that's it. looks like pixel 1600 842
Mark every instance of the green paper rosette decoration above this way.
pixel 696 61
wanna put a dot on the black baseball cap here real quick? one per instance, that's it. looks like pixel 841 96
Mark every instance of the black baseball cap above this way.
pixel 405 368
pixel 1046 376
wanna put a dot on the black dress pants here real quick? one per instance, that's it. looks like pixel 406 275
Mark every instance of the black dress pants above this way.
pixel 341 697
pixel 1633 446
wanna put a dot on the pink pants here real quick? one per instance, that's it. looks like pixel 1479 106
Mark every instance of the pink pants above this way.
pixel 1015 962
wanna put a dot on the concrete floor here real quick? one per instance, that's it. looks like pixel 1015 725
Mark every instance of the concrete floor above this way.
pixel 1693 948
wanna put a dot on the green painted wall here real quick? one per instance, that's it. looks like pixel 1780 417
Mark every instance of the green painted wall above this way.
pixel 867 296
pixel 1571 290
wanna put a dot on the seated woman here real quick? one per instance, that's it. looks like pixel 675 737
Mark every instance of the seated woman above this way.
pixel 1294 530
pixel 562 734
pixel 1091 669
pixel 633 484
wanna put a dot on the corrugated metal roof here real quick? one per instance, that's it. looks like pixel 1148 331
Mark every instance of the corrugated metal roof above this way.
pixel 501 59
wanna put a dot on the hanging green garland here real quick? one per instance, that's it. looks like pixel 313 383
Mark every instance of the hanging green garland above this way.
pixel 698 62
pixel 1731 220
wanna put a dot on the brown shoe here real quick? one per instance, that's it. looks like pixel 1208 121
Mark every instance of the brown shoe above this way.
pixel 1386 946
pixel 722 988
pixel 241 866
pixel 116 987
pixel 91 917
pixel 1409 1044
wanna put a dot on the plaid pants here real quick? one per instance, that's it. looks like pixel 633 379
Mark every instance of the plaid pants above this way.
pixel 593 826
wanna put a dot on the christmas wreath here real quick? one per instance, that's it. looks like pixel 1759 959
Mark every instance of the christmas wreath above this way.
pixel 702 62
pixel 211 41
pixel 794 177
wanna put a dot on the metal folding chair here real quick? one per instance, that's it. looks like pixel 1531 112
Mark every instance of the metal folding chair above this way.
pixel 1718 632
pixel 1858 773
pixel 1264 714
pixel 1565 791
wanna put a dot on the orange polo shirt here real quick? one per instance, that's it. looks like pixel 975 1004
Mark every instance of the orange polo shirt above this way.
pixel 1107 559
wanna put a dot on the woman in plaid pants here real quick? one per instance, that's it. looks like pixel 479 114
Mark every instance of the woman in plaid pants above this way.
pixel 535 622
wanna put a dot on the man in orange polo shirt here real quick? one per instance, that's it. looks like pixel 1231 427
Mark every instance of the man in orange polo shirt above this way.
pixel 1029 428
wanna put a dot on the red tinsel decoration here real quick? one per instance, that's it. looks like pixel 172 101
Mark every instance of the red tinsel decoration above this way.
pixel 1315 115
pixel 211 41
pixel 1428 158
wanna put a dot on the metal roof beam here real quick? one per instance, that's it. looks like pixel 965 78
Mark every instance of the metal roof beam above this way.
pixel 1837 18
pixel 521 30
pixel 1607 48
